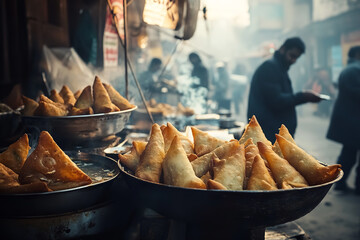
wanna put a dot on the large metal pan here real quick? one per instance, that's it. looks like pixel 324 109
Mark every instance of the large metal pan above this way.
pixel 211 210
pixel 70 131
pixel 101 169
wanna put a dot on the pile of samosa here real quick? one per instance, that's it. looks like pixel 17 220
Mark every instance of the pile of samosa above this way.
pixel 206 162
pixel 101 98
pixel 46 169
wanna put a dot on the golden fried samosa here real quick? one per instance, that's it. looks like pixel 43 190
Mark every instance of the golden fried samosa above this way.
pixel 8 178
pixel 230 171
pixel 285 175
pixel 117 99
pixel 114 108
pixel 65 107
pixel 83 111
pixel 260 178
pixel 50 164
pixel 14 99
pixel 15 155
pixel 77 94
pixel 251 150
pixel 29 106
pixel 131 160
pixel 102 101
pixel 169 132
pixel 284 132
pixel 67 95
pixel 204 142
pixel 253 130
pixel 202 165
pixel 48 109
pixel 85 99
pixel 150 164
pixel 177 168
pixel 55 97
pixel 313 171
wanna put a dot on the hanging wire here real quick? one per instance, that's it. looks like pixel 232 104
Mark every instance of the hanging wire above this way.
pixel 113 12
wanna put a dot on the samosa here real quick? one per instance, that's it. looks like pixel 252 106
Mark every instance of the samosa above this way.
pixel 253 130
pixel 169 132
pixel 260 178
pixel 131 159
pixel 284 132
pixel 150 165
pixel 30 106
pixel 203 164
pixel 230 171
pixel 313 171
pixel 102 101
pixel 117 99
pixel 67 95
pixel 285 175
pixel 85 99
pixel 204 142
pixel 15 155
pixel 48 163
pixel 177 168
pixel 55 97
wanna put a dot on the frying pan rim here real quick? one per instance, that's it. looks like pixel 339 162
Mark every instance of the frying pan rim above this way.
pixel 80 116
pixel 338 177
pixel 69 189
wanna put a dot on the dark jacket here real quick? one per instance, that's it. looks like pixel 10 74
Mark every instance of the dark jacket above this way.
pixel 345 120
pixel 271 97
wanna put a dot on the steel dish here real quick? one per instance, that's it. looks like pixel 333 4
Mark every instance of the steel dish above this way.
pixel 230 210
pixel 63 201
pixel 70 131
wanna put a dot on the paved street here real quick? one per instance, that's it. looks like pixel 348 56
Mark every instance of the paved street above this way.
pixel 337 217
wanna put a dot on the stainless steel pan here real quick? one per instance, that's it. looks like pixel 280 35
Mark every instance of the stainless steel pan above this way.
pixel 70 131
pixel 102 170
pixel 226 213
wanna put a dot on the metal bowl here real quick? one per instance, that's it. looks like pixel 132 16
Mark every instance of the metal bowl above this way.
pixel 78 130
pixel 67 200
pixel 227 210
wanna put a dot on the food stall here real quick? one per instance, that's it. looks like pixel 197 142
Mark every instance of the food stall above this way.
pixel 91 163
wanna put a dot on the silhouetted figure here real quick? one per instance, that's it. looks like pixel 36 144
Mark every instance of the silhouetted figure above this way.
pixel 149 83
pixel 222 87
pixel 345 119
pixel 271 97
pixel 199 71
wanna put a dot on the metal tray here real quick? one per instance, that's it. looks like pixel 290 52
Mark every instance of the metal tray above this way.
pixel 68 200
pixel 248 209
pixel 78 130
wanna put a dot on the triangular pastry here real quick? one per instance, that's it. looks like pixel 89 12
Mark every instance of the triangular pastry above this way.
pixel 102 101
pixel 177 168
pixel 314 172
pixel 204 142
pixel 151 159
pixel 285 175
pixel 253 130
pixel 50 164
pixel 15 155
pixel 260 178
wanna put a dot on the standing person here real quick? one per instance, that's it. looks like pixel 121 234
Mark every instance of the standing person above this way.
pixel 222 87
pixel 199 71
pixel 345 119
pixel 271 97
pixel 149 83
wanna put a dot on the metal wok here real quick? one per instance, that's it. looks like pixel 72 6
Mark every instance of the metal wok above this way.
pixel 218 213
pixel 70 131
pixel 68 200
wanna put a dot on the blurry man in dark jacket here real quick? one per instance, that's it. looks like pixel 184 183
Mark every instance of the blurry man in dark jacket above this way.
pixel 199 71
pixel 271 97
pixel 345 120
